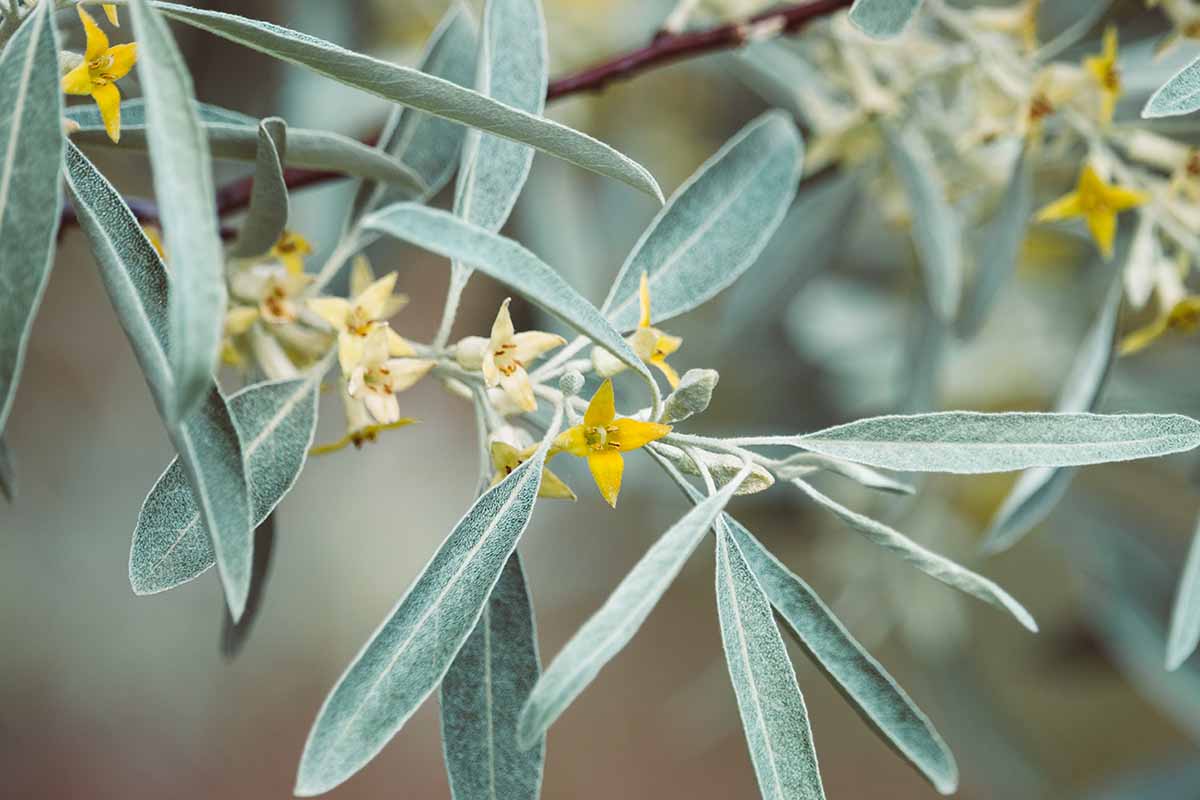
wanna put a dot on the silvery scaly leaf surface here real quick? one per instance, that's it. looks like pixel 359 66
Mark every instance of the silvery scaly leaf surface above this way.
pixel 235 634
pixel 1179 95
pixel 883 18
pixel 31 151
pixel 208 441
pixel 971 442
pixel 769 699
pixel 410 653
pixel 715 226
pixel 936 227
pixel 269 210
pixel 234 136
pixel 183 187
pixel 1185 616
pixel 481 697
pixel 935 566
pixel 507 262
pixel 277 422
pixel 1038 490
pixel 862 679
pixel 414 88
pixel 611 628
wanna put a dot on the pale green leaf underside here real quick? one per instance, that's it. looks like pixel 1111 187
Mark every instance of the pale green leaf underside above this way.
pixel 171 544
pixel 715 226
pixel 421 91
pixel 410 653
pixel 268 214
pixel 1179 95
pixel 1185 615
pixel 883 18
pixel 31 152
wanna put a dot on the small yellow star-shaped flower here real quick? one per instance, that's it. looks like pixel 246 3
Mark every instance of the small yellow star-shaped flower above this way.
pixel 503 356
pixel 651 345
pixel 291 250
pixel 378 376
pixel 506 458
pixel 1098 203
pixel 1104 69
pixel 356 319
pixel 603 437
pixel 102 66
pixel 1184 317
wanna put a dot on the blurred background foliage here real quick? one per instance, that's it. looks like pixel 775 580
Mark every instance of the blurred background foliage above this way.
pixel 108 695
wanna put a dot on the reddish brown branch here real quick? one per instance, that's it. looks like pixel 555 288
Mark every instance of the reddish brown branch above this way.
pixel 665 49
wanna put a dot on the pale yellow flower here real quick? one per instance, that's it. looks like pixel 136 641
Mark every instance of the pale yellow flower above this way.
pixel 649 343
pixel 273 289
pixel 506 458
pixel 1104 69
pixel 503 357
pixel 102 66
pixel 291 250
pixel 377 377
pixel 356 319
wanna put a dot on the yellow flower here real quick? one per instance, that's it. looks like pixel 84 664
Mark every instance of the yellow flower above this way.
pixel 290 251
pixel 97 75
pixel 377 377
pixel 1104 69
pixel 503 357
pixel 651 345
pixel 1183 317
pixel 506 458
pixel 355 320
pixel 110 11
pixel 1098 203
pixel 359 427
pixel 238 320
pixel 274 289
pixel 602 438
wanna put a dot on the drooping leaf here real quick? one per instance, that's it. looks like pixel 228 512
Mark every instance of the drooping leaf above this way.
pixel 935 566
pixel 235 634
pixel 183 186
pixel 611 628
pixel 207 440
pixel 936 227
pixel 232 135
pixel 883 18
pixel 1179 95
pixel 769 699
pixel 277 421
pixel 411 652
pixel 481 697
pixel 716 224
pixel 269 210
pixel 414 88
pixel 1185 615
pixel 31 152
pixel 1038 490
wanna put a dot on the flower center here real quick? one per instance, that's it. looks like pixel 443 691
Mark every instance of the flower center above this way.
pixel 602 437
pixel 503 357
pixel 359 322
pixel 1112 78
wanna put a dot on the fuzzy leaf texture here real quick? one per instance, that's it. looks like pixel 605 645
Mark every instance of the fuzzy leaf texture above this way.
pixel 414 88
pixel 268 215
pixel 715 226
pixel 31 152
pixel 769 699
pixel 1179 95
pixel 277 422
pixel 611 628
pixel 482 696
pixel 883 18
pixel 409 654
pixel 207 441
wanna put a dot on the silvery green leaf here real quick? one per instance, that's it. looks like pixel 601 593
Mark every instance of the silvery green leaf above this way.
pixel 714 227
pixel 269 210
pixel 935 566
pixel 769 699
pixel 611 628
pixel 1001 243
pixel 8 471
pixel 277 421
pixel 183 186
pixel 234 634
pixel 1179 95
pixel 936 227
pixel 507 262
pixel 31 152
pixel 207 440
pixel 722 467
pixel 481 697
pixel 414 88
pixel 1038 490
pixel 691 396
pixel 234 136
pixel 883 18
pixel 409 654
pixel 1185 616
pixel 802 465
pixel 972 442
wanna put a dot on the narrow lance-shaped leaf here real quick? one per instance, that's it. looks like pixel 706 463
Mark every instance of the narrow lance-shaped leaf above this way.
pixel 1179 95
pixel 936 228
pixel 611 628
pixel 269 210
pixel 1038 490
pixel 1185 615
pixel 31 152
pixel 883 18
pixel 235 634
pixel 769 699
pixel 232 135
pixel 481 697
pixel 935 566
pixel 277 422
pixel 208 442
pixel 414 88
pixel 410 653
pixel 183 187
pixel 716 224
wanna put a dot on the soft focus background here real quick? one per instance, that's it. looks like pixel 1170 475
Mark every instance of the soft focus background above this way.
pixel 103 694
